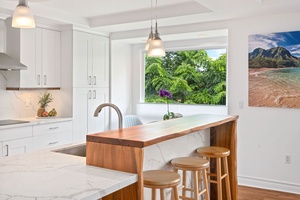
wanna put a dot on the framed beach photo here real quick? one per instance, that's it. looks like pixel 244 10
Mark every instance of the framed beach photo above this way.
pixel 274 70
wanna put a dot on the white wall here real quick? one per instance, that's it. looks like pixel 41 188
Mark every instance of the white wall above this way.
pixel 265 135
pixel 2 41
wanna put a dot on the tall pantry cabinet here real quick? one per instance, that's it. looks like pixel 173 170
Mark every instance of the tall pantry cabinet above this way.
pixel 90 83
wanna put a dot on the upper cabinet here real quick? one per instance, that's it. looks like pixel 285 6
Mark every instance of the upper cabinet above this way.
pixel 39 50
pixel 91 60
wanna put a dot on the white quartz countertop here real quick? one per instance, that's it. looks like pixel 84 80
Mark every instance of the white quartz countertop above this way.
pixel 36 121
pixel 46 175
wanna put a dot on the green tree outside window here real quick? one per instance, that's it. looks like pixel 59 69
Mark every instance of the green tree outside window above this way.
pixel 191 76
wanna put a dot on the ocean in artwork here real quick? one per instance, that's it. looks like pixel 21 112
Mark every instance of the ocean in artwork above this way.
pixel 274 70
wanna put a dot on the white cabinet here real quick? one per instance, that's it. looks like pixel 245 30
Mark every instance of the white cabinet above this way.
pixel 39 50
pixel 91 60
pixel 18 146
pixel 85 102
pixel 52 134
pixel 1 149
pixel 16 140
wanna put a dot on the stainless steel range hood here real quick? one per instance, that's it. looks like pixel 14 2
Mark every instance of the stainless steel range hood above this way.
pixel 8 63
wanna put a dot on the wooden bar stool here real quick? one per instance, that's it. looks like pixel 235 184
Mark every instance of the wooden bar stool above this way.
pixel 159 179
pixel 219 153
pixel 197 167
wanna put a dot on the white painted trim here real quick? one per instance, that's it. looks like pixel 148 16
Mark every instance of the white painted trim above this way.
pixel 269 184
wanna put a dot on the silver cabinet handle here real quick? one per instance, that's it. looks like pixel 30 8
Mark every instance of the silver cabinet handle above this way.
pixel 95 80
pixel 95 94
pixel 39 79
pixel 52 143
pixel 90 94
pixel 6 150
pixel 90 80
pixel 53 128
pixel 45 80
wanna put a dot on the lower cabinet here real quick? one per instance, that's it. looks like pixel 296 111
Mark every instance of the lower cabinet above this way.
pixel 15 140
pixel 15 147
pixel 51 135
pixel 20 140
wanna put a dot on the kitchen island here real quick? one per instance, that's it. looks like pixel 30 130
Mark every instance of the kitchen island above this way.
pixel 46 174
pixel 152 146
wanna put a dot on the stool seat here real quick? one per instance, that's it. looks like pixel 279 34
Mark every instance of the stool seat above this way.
pixel 197 167
pixel 161 178
pixel 192 163
pixel 213 152
pixel 220 154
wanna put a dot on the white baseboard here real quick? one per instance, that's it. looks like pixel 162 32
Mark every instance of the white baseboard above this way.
pixel 269 184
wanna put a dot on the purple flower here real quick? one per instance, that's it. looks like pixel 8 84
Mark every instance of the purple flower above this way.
pixel 165 93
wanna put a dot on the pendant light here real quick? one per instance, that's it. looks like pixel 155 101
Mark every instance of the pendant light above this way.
pixel 156 47
pixel 150 34
pixel 22 17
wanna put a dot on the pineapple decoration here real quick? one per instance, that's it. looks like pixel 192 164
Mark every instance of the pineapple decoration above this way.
pixel 44 101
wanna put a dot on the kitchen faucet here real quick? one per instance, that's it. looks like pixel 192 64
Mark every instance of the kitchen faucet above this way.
pixel 99 108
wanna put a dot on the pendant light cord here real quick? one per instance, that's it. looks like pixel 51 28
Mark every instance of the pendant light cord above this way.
pixel 156 17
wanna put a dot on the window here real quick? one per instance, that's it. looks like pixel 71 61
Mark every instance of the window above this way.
pixel 192 76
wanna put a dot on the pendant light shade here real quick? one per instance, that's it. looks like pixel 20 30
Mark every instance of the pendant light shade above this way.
pixel 22 17
pixel 156 47
pixel 149 40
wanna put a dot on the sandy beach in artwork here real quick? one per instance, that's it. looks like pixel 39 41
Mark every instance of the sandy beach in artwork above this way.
pixel 269 92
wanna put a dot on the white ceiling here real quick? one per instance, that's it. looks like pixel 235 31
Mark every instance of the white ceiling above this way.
pixel 111 16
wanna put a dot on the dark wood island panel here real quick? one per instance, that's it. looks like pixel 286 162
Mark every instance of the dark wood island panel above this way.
pixel 123 149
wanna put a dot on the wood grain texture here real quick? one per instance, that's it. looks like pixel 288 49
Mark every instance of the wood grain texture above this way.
pixel 122 158
pixel 250 193
pixel 225 136
pixel 153 133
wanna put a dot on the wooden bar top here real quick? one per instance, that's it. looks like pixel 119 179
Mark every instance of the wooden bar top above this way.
pixel 152 133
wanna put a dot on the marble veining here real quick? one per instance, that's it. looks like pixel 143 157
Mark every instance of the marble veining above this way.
pixel 159 156
pixel 46 175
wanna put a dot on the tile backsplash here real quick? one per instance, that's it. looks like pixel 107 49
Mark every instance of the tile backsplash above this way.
pixel 22 104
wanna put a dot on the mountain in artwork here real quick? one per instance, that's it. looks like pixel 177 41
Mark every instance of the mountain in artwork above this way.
pixel 277 57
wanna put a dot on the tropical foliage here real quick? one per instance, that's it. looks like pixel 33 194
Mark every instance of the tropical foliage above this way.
pixel 191 76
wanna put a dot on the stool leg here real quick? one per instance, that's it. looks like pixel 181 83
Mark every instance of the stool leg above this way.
pixel 175 192
pixel 204 175
pixel 219 180
pixel 162 194
pixel 227 182
pixel 196 185
pixel 184 183
pixel 153 194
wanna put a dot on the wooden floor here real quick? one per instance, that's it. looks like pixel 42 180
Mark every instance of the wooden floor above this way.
pixel 249 193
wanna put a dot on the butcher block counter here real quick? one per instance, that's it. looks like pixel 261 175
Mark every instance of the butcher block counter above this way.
pixel 154 145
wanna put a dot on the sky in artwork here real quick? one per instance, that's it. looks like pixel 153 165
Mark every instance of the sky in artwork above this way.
pixel 288 40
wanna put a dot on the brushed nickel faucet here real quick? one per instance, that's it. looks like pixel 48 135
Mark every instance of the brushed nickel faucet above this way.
pixel 99 108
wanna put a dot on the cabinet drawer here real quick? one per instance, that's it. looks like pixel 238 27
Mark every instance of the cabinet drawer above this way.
pixel 52 140
pixel 15 133
pixel 52 128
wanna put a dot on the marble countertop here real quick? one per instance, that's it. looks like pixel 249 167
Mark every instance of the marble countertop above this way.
pixel 36 121
pixel 46 175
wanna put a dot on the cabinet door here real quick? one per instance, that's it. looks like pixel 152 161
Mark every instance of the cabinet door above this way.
pixel 80 113
pixel 30 55
pixel 82 59
pixel 50 58
pixel 1 149
pixel 19 146
pixel 100 61
pixel 100 123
